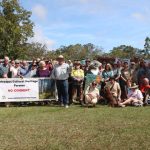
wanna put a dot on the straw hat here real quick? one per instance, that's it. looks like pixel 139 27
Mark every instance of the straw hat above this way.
pixel 134 86
pixel 60 57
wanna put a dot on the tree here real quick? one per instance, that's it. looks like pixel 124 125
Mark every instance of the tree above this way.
pixel 78 51
pixel 34 50
pixel 147 47
pixel 15 28
pixel 123 51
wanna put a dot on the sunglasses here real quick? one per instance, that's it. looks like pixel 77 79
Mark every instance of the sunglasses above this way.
pixel 94 84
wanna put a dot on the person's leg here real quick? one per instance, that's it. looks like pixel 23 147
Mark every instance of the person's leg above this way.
pixel 65 92
pixel 87 99
pixel 74 91
pixel 58 85
pixel 128 101
pixel 81 92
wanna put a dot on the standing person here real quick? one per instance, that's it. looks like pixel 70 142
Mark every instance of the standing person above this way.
pixel 87 64
pixel 23 70
pixel 116 72
pixel 42 71
pixel 5 68
pixel 125 78
pixel 77 75
pixel 33 70
pixel 133 71
pixel 107 73
pixel 70 81
pixel 61 74
pixel 14 69
pixel 142 72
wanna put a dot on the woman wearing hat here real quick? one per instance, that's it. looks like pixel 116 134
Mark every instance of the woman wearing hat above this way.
pixel 135 97
pixel 77 75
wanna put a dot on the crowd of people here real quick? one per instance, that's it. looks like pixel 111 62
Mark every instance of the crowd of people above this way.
pixel 121 83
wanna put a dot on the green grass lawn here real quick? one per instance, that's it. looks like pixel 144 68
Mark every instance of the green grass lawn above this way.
pixel 46 128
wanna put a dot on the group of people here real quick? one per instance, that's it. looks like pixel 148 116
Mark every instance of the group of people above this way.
pixel 120 83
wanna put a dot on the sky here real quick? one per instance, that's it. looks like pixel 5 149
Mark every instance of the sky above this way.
pixel 105 23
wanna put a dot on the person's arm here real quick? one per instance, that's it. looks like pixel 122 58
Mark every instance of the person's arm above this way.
pixel 139 95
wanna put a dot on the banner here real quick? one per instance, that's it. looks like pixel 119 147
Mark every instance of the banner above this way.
pixel 27 89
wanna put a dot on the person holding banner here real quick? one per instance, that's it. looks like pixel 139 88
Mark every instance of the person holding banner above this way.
pixel 42 71
pixel 5 68
pixel 60 74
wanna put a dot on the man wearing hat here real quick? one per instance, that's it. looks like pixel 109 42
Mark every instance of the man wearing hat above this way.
pixel 61 74
pixel 135 97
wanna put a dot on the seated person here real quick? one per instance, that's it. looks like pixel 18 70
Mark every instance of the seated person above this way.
pixel 113 92
pixel 92 94
pixel 135 97
pixel 145 89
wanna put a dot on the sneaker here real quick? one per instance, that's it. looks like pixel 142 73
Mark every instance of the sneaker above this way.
pixel 66 106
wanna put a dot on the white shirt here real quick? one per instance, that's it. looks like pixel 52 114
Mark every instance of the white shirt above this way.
pixel 61 72
pixel 135 94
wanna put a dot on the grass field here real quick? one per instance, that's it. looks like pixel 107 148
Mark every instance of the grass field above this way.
pixel 46 128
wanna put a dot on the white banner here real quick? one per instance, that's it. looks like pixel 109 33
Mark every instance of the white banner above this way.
pixel 27 89
pixel 18 90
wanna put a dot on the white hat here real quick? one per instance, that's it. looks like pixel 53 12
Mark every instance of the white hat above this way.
pixel 60 57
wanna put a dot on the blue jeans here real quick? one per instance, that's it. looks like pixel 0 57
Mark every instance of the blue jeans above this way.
pixel 62 88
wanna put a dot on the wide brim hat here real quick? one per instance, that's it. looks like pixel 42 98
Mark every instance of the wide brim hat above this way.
pixel 17 61
pixel 77 63
pixel 60 57
pixel 134 86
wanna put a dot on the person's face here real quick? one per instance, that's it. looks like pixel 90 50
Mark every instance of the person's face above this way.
pixel 87 63
pixel 17 65
pixel 60 61
pixel 94 84
pixel 34 66
pixel 115 66
pixel 112 81
pixel 133 90
pixel 77 66
pixel 13 63
pixel 42 65
pixel 6 61
pixel 125 65
pixel 107 67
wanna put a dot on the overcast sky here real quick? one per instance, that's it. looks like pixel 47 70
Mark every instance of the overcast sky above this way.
pixel 105 23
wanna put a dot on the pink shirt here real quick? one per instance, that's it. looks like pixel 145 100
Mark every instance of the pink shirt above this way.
pixel 135 94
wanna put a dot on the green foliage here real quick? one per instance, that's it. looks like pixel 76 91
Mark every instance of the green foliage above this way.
pixel 78 51
pixel 34 50
pixel 123 51
pixel 15 28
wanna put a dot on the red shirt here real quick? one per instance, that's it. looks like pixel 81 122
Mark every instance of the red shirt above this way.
pixel 143 88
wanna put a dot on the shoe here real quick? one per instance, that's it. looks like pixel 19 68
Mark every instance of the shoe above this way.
pixel 66 106
pixel 62 105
